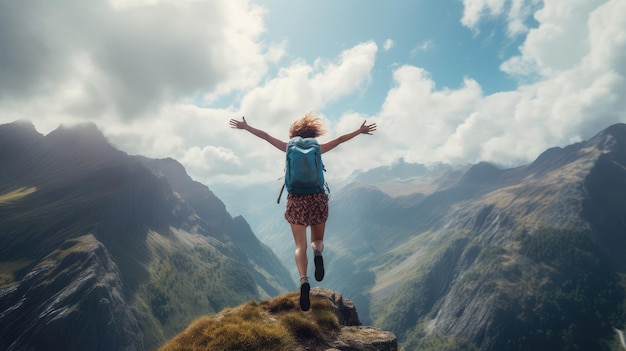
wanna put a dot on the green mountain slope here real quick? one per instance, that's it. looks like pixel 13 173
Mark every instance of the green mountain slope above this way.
pixel 516 263
pixel 70 203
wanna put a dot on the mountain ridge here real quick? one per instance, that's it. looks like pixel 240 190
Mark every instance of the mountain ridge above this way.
pixel 476 258
pixel 517 206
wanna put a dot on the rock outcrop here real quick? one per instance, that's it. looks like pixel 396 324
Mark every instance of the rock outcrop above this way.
pixel 332 324
pixel 352 335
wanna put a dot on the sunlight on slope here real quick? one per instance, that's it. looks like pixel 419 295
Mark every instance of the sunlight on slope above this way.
pixel 8 269
pixel 548 198
pixel 406 260
pixel 188 276
pixel 15 195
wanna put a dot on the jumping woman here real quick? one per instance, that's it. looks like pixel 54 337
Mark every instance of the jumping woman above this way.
pixel 306 210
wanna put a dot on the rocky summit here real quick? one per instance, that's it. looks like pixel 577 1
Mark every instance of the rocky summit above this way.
pixel 332 324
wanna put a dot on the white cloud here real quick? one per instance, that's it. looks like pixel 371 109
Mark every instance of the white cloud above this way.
pixel 352 72
pixel 302 87
pixel 583 78
pixel 516 13
pixel 131 59
pixel 607 38
pixel 474 10
pixel 423 46
pixel 138 72
pixel 203 141
pixel 361 153
pixel 211 158
pixel 559 42
pixel 416 119
pixel 388 44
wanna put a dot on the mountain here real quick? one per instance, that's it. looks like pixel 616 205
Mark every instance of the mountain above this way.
pixel 482 257
pixel 100 250
pixel 279 324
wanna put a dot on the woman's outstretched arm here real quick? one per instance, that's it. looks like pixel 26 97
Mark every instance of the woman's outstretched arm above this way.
pixel 363 129
pixel 279 144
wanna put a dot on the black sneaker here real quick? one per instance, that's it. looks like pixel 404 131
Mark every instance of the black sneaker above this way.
pixel 305 302
pixel 319 267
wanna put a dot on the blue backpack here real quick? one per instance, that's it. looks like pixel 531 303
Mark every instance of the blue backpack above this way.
pixel 304 170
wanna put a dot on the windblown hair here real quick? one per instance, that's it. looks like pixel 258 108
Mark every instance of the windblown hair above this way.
pixel 309 126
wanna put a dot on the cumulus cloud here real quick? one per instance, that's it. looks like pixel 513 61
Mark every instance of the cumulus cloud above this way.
pixel 211 159
pixel 203 141
pixel 149 80
pixel 559 42
pixel 514 12
pixel 302 87
pixel 417 119
pixel 423 46
pixel 573 98
pixel 100 59
pixel 388 44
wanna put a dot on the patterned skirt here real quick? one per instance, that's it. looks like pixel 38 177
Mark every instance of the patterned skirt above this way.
pixel 307 209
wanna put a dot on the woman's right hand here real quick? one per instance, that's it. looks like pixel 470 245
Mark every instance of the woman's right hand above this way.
pixel 238 124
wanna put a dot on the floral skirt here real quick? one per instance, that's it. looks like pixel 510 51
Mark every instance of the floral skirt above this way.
pixel 307 209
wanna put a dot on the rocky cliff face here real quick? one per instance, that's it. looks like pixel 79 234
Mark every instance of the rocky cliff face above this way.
pixel 100 250
pixel 73 299
pixel 353 336
pixel 524 258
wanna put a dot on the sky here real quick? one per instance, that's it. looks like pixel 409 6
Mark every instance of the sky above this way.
pixel 446 81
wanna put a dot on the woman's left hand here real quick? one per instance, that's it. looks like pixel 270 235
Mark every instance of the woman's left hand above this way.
pixel 367 128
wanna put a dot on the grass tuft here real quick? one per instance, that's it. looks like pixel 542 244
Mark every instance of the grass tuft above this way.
pixel 274 324
pixel 281 304
pixel 300 326
pixel 15 195
pixel 232 332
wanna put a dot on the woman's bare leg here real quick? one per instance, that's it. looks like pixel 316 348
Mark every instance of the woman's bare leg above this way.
pixel 317 237
pixel 317 243
pixel 299 237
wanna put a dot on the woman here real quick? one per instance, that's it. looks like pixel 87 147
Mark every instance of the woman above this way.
pixel 308 210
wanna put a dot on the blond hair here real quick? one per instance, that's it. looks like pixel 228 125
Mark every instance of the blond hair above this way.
pixel 309 126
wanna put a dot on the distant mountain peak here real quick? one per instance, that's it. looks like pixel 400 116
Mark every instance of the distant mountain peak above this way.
pixel 611 138
pixel 481 172
pixel 80 138
pixel 21 123
pixel 617 130
pixel 21 128
pixel 87 129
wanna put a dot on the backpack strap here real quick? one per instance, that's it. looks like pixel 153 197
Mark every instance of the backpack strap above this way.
pixel 281 193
